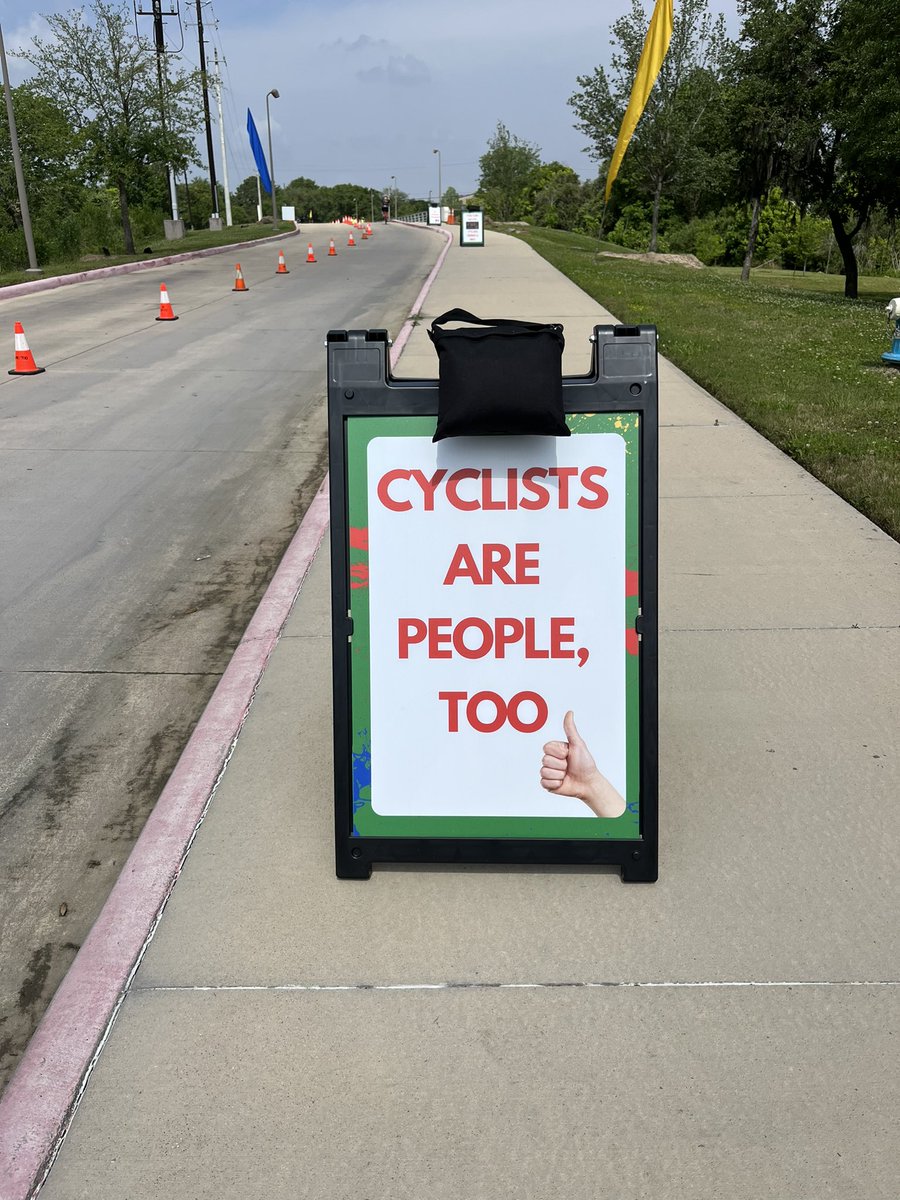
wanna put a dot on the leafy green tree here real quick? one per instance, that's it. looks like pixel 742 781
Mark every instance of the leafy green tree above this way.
pixel 452 199
pixel 244 200
pixel 507 169
pixel 672 142
pixel 856 163
pixel 104 79
pixel 816 111
pixel 306 196
pixel 554 196
pixel 49 151
pixel 775 105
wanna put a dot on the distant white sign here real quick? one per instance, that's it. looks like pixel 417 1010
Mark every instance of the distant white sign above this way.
pixel 288 212
pixel 434 214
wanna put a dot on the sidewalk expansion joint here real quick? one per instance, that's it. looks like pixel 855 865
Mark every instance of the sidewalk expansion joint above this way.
pixel 777 628
pixel 805 495
pixel 477 985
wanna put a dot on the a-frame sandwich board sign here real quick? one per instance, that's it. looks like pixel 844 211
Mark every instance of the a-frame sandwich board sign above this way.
pixel 494 621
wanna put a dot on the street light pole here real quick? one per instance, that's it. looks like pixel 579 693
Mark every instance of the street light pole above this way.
pixel 440 189
pixel 394 190
pixel 17 162
pixel 274 93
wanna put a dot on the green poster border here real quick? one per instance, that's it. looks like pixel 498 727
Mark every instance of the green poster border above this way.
pixel 359 431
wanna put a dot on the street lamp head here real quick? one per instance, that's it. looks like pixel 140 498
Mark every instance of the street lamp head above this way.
pixel 274 92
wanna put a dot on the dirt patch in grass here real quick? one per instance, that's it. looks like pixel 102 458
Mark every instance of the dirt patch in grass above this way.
pixel 678 260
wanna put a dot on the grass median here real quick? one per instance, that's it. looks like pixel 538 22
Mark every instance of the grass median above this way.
pixel 197 239
pixel 786 352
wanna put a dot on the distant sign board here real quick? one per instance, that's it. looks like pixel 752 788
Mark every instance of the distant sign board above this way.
pixel 434 214
pixel 471 228
pixel 494 622
pixel 288 212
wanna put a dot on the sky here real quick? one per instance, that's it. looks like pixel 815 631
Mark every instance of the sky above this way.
pixel 367 91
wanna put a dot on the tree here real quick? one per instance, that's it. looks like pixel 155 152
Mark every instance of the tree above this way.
pixel 774 105
pixel 555 195
pixel 670 139
pixel 856 163
pixel 506 170
pixel 49 159
pixel 104 78
pixel 452 199
pixel 307 197
pixel 244 200
pixel 816 111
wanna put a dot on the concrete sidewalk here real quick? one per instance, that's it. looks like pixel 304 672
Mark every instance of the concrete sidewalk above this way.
pixel 730 1031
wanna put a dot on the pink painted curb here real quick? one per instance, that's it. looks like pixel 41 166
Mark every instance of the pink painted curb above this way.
pixel 409 324
pixel 14 290
pixel 42 1094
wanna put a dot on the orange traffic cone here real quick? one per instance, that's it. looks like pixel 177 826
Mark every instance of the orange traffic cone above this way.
pixel 310 257
pixel 24 359
pixel 239 285
pixel 368 230
pixel 282 266
pixel 332 253
pixel 350 241
pixel 166 312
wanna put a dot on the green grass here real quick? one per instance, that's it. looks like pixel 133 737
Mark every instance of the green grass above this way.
pixel 199 239
pixel 786 352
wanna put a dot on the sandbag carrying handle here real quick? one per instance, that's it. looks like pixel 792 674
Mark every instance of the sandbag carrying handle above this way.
pixel 498 323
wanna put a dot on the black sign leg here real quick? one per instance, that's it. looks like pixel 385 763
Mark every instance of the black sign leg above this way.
pixel 350 863
pixel 641 869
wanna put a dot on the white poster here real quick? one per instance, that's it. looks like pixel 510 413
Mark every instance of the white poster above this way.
pixel 497 606
pixel 473 229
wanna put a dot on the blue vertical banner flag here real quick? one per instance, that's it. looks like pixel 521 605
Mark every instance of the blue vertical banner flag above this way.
pixel 256 147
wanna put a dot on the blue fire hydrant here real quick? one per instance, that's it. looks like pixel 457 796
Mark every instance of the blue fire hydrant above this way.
pixel 892 356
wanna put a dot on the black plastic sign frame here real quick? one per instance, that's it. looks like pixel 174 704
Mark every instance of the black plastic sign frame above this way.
pixel 369 409
pixel 471 227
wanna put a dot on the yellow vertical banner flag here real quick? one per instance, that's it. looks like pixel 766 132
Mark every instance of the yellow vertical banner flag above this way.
pixel 656 43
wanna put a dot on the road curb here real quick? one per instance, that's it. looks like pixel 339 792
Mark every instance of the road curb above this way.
pixel 410 323
pixel 42 1096
pixel 14 290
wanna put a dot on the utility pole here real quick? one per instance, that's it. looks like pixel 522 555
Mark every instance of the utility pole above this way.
pixel 159 41
pixel 209 142
pixel 222 139
pixel 17 162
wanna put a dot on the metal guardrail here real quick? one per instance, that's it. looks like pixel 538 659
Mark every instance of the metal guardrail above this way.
pixel 419 218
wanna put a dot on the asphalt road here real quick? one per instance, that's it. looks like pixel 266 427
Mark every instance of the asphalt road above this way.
pixel 149 483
